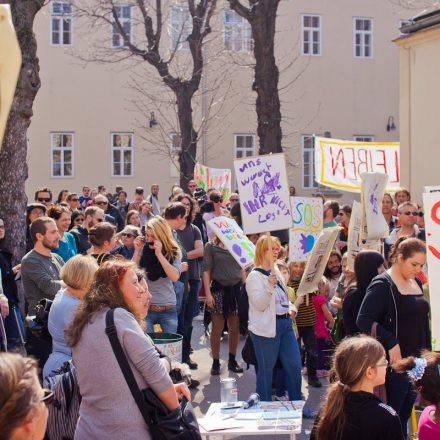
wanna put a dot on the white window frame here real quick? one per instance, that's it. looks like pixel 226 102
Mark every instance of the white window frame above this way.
pixel 62 150
pixel 185 28
pixel 310 30
pixel 244 149
pixel 363 33
pixel 174 152
pixel 60 17
pixel 123 21
pixel 363 138
pixel 312 175
pixel 122 150
pixel 239 32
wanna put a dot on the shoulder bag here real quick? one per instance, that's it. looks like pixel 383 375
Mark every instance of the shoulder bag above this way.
pixel 179 424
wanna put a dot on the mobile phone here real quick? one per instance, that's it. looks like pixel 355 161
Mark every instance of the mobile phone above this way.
pixel 143 230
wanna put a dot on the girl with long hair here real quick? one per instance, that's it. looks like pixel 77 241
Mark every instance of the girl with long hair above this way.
pixel 351 410
pixel 161 259
pixel 102 236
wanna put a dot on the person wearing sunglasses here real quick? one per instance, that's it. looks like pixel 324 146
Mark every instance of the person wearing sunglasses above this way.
pixel 43 195
pixel 76 219
pixel 23 403
pixel 92 216
pixel 126 238
pixel 216 199
pixel 73 201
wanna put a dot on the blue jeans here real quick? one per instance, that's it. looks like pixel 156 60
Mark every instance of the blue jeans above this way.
pixel 179 288
pixel 267 350
pixel 166 318
pixel 186 318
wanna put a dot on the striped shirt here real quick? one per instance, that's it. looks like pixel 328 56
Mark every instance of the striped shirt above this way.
pixel 306 313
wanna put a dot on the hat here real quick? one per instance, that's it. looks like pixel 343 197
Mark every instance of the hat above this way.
pixel 32 206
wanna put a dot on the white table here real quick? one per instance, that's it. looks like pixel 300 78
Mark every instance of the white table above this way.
pixel 248 427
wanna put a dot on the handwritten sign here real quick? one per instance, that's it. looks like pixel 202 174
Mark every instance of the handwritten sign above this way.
pixel 307 218
pixel 374 225
pixel 339 164
pixel 218 178
pixel 317 261
pixel 431 204
pixel 264 193
pixel 232 236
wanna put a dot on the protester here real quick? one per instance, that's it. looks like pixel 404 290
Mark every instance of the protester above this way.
pixel 40 268
pixel 161 259
pixel 216 199
pixel 395 301
pixel 112 214
pixel 344 221
pixel 103 239
pixel 175 191
pixel 331 210
pixel 133 218
pixel 192 185
pixel 33 211
pixel 92 216
pixel 73 202
pixel 351 410
pixel 43 195
pixel 77 275
pixel 367 265
pixel 145 214
pixel 137 200
pixel 270 324
pixel 62 196
pixel 420 220
pixel 66 244
pixel 333 271
pixel 387 211
pixel 402 195
pixel 77 218
pixel 85 198
pixel 121 203
pixel 153 198
pixel 233 200
pixel 100 378
pixel 127 239
pixel 23 403
pixel 424 373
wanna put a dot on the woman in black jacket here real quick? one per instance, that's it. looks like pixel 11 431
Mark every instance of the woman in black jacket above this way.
pixel 367 265
pixel 395 304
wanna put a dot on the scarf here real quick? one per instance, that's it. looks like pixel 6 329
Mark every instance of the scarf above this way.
pixel 152 265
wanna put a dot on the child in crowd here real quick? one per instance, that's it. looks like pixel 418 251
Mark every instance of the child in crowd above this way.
pixel 305 321
pixel 321 332
pixel 424 372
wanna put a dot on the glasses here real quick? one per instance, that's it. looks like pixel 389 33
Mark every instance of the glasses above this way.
pixel 420 214
pixel 193 185
pixel 383 364
pixel 74 200
pixel 233 200
pixel 341 213
pixel 217 200
pixel 99 220
pixel 48 397
pixel 128 235
pixel 44 199
pixel 101 203
pixel 414 214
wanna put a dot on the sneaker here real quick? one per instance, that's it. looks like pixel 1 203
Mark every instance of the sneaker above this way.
pixel 234 367
pixel 322 373
pixel 215 370
pixel 314 382
pixel 193 384
pixel 308 413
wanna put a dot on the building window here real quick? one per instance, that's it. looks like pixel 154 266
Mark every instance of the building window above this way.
pixel 122 154
pixel 124 16
pixel 237 34
pixel 174 155
pixel 180 28
pixel 61 24
pixel 61 154
pixel 244 145
pixel 308 165
pixel 363 38
pixel 363 138
pixel 311 34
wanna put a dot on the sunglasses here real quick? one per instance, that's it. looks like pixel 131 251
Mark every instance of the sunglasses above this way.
pixel 233 200
pixel 128 235
pixel 99 220
pixel 101 203
pixel 74 200
pixel 192 185
pixel 217 199
pixel 48 397
pixel 44 199
pixel 414 214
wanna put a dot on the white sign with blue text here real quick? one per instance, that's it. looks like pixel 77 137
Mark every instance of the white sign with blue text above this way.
pixel 264 193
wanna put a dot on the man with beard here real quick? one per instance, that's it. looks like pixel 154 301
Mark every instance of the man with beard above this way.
pixel 333 272
pixel 40 269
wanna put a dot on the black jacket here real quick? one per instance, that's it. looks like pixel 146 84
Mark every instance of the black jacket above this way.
pixel 8 277
pixel 367 418
pixel 81 239
pixel 350 310
pixel 119 222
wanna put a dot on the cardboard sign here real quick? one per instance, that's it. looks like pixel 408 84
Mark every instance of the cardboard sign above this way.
pixel 235 241
pixel 264 193
pixel 374 225
pixel 307 218
pixel 317 261
pixel 431 204
pixel 218 178
pixel 339 164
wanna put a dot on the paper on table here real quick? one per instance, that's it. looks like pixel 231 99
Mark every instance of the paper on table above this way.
pixel 211 424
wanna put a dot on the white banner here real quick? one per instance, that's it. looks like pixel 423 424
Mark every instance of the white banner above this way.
pixel 339 164
pixel 232 236
pixel 307 219
pixel 431 204
pixel 264 193
pixel 317 261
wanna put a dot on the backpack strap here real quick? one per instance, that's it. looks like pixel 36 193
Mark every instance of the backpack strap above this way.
pixel 266 272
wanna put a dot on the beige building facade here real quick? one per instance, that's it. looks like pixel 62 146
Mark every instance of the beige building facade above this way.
pixel 114 123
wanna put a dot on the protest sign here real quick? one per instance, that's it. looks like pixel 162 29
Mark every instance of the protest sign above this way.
pixel 339 164
pixel 374 226
pixel 431 204
pixel 307 225
pixel 432 189
pixel 235 241
pixel 264 193
pixel 317 261
pixel 218 178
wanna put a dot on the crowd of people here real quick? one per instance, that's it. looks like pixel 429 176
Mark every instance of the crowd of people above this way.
pixel 98 251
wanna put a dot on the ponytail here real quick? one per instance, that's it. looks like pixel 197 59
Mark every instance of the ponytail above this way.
pixel 406 247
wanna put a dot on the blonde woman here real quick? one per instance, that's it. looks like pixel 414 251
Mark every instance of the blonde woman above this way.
pixel 161 259
pixel 77 274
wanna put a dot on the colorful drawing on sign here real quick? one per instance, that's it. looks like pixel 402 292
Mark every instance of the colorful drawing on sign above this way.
pixel 431 204
pixel 339 164
pixel 232 236
pixel 307 218
pixel 264 193
pixel 218 178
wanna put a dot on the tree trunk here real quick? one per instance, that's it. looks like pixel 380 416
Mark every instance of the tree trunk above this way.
pixel 13 167
pixel 188 136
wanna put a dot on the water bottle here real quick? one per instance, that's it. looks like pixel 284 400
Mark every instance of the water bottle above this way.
pixel 228 391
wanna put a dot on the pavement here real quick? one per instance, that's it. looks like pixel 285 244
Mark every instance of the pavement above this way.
pixel 209 388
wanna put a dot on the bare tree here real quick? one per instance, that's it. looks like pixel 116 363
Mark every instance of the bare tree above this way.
pixel 261 15
pixel 149 49
pixel 13 167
